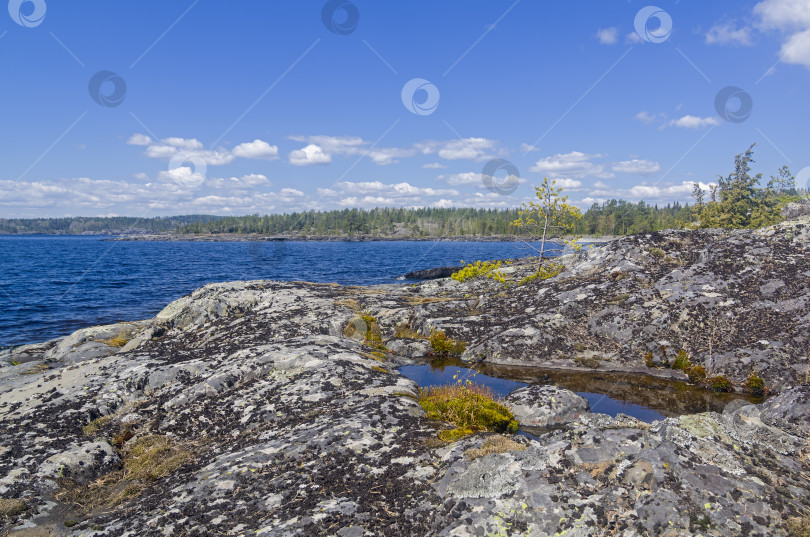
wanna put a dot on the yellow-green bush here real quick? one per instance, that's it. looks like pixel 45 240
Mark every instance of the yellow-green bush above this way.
pixel 544 273
pixel 444 346
pixel 754 385
pixel 469 407
pixel 480 269
pixel 720 384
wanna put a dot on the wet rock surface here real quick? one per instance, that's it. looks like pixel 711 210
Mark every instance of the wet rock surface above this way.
pixel 294 425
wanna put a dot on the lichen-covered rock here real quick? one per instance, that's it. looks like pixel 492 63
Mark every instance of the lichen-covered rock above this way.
pixel 735 301
pixel 789 411
pixel 281 424
pixel 81 462
pixel 545 406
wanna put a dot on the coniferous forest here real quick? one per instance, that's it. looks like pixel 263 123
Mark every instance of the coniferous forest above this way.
pixel 614 217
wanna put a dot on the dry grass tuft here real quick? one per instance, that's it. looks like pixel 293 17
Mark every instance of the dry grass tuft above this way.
pixel 494 444
pixel 146 460
pixel 405 331
pixel 10 508
pixel 798 526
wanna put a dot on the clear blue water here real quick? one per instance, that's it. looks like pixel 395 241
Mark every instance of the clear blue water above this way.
pixel 53 285
pixel 427 376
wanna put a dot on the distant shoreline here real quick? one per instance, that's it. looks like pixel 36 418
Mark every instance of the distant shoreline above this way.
pixel 239 237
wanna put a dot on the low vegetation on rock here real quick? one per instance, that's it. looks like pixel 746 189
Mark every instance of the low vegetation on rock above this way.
pixel 470 407
pixel 445 346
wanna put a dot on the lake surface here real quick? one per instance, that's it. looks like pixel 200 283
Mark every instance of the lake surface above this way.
pixel 53 285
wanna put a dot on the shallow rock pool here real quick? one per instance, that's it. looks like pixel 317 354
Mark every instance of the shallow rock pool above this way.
pixel 644 397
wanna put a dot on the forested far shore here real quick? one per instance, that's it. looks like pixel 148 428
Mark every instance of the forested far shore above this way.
pixel 90 225
pixel 614 217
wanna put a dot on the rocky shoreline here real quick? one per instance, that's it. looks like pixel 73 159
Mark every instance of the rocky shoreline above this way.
pixel 261 408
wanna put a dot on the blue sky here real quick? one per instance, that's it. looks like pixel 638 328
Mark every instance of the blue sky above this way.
pixel 243 107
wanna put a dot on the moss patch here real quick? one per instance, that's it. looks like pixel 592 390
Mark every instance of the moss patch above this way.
pixel 720 384
pixel 118 341
pixel 754 385
pixel 92 428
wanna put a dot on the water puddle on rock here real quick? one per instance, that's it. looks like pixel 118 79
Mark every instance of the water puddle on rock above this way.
pixel 644 397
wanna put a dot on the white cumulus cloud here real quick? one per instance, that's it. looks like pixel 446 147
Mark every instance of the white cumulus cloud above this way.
pixel 694 122
pixel 792 19
pixel 635 166
pixel 139 139
pixel 573 165
pixel 608 36
pixel 257 149
pixel 309 155
pixel 728 34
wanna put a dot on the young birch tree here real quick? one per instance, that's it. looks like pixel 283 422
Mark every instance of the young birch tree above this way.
pixel 549 218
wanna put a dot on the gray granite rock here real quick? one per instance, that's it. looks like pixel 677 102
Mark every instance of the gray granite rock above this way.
pixel 545 406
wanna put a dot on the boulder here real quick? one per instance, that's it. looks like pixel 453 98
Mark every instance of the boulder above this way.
pixel 432 273
pixel 545 406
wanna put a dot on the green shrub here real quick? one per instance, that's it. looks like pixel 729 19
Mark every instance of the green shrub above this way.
pixel 696 373
pixel 682 361
pixel 443 345
pixel 720 384
pixel 480 269
pixel 754 385
pixel 469 407
pixel 657 252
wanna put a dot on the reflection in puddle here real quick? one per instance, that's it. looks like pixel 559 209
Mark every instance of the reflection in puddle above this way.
pixel 641 396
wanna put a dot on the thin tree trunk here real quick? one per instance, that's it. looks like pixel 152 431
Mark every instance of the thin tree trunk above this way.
pixel 543 245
